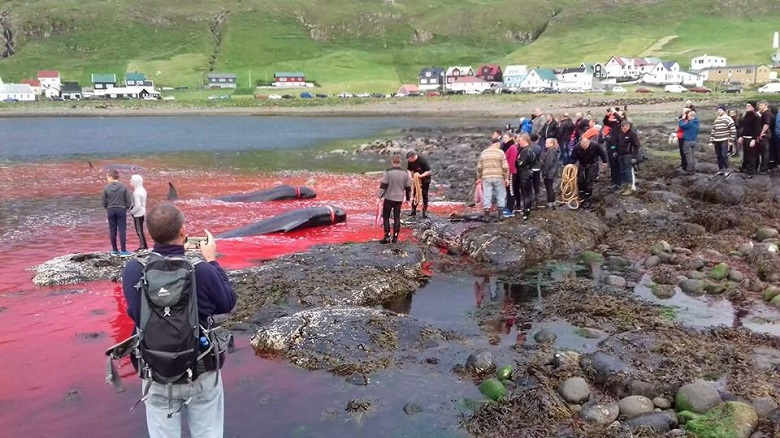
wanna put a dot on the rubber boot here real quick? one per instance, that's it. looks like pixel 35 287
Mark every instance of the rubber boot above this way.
pixel 414 210
pixel 386 239
pixel 425 211
pixel 526 214
pixel 395 236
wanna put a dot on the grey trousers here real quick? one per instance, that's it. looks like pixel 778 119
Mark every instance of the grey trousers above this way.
pixel 689 148
pixel 205 412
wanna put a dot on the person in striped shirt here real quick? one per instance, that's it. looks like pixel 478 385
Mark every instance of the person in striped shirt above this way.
pixel 723 130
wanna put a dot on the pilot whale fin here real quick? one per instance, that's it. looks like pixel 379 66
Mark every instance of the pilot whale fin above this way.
pixel 172 193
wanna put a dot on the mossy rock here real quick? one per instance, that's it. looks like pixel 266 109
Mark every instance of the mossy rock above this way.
pixel 771 292
pixel 719 272
pixel 714 288
pixel 775 301
pixel 504 373
pixel 727 420
pixel 591 257
pixel 493 389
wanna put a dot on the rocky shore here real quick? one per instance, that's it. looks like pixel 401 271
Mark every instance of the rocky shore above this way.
pixel 612 275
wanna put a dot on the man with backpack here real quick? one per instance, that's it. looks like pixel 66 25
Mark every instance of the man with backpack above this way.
pixel 172 300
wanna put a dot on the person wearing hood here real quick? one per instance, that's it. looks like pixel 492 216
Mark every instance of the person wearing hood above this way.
pixel 116 201
pixel 690 133
pixel 139 210
pixel 526 125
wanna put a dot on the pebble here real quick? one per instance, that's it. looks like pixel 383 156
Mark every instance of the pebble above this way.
pixel 615 281
pixel 652 262
pixel 545 336
pixel 692 287
pixel 662 403
pixel 574 390
pixel 735 275
pixel 698 397
pixel 766 233
pixel 600 412
pixel 635 405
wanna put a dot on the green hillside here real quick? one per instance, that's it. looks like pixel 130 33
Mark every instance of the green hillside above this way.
pixel 364 45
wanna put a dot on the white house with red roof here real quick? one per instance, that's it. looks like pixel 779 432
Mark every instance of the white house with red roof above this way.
pixel 469 85
pixel 456 72
pixel 35 85
pixel 51 83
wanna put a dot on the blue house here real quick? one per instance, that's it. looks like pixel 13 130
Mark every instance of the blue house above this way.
pixel 514 75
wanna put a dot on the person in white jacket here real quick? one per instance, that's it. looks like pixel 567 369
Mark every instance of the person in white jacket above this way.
pixel 139 209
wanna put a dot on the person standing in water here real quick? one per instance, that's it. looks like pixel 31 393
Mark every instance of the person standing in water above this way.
pixel 116 201
pixel 139 210
pixel 396 186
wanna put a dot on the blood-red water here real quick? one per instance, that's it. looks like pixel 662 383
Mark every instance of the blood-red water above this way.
pixel 52 338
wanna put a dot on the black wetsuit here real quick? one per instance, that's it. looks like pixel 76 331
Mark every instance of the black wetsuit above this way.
pixel 588 161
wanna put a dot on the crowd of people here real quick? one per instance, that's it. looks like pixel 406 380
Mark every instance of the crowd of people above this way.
pixel 536 153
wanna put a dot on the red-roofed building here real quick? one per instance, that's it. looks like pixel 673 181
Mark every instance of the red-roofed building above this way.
pixel 35 84
pixel 490 73
pixel 50 82
pixel 469 85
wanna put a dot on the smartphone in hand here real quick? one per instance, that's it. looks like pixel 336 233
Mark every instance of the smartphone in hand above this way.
pixel 196 242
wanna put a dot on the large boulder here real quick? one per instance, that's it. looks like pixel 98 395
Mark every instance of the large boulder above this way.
pixel 698 397
pixel 635 405
pixel 363 274
pixel 512 244
pixel 719 191
pixel 345 340
pixel 574 390
pixel 659 422
pixel 600 412
pixel 79 268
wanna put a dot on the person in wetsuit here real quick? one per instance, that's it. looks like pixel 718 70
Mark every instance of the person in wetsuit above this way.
pixel 587 156
pixel 417 165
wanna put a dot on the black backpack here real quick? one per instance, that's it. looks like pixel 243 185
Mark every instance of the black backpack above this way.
pixel 169 328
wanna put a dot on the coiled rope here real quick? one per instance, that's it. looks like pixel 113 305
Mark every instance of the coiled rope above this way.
pixel 417 185
pixel 569 191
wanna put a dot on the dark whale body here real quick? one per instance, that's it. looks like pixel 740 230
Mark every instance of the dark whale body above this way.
pixel 275 194
pixel 292 220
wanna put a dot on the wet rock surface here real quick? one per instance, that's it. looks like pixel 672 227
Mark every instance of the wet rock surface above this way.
pixel 79 268
pixel 345 340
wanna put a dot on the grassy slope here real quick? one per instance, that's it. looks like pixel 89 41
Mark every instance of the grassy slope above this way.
pixel 369 44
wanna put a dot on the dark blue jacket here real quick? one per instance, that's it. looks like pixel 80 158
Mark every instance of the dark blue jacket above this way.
pixel 215 294
pixel 777 126
pixel 690 129
pixel 527 126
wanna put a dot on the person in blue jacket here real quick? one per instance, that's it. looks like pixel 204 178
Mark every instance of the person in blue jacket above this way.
pixel 690 132
pixel 526 125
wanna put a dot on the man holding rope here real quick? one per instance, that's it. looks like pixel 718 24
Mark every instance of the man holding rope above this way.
pixel 587 156
pixel 420 173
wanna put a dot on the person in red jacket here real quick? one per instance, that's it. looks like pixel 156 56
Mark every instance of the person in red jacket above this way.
pixel 513 189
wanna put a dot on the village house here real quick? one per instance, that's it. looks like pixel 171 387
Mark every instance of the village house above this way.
pixel 408 89
pixel 514 75
pixel 691 79
pixel 137 80
pixel 469 85
pixel 540 78
pixel 454 73
pixel 71 91
pixel 575 79
pixel 16 92
pixel 50 82
pixel 35 84
pixel 221 80
pixel 289 79
pixel 132 92
pixel 491 73
pixel 746 74
pixel 623 67
pixel 103 81
pixel 705 61
pixel 431 78
pixel 663 73
pixel 596 69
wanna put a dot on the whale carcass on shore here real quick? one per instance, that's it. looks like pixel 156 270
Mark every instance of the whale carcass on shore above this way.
pixel 278 193
pixel 292 220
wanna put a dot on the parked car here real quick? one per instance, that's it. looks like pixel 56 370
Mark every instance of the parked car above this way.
pixel 700 90
pixel 432 94
pixel 223 97
pixel 618 89
pixel 363 95
pixel 167 88
pixel 549 90
pixel 306 95
pixel 675 88
pixel 288 96
pixel 274 96
pixel 644 90
pixel 9 99
pixel 772 87
pixel 322 95
pixel 182 88
pixel 575 90
pixel 169 98
pixel 346 95
pixel 735 89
